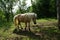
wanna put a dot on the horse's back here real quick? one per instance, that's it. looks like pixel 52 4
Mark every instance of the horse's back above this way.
pixel 25 17
pixel 31 15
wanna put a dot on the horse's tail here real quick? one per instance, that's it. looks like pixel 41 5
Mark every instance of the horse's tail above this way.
pixel 15 20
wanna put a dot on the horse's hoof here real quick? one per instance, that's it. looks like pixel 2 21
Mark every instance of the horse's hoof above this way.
pixel 29 29
pixel 25 29
pixel 21 28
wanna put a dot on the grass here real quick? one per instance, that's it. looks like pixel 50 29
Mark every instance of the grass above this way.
pixel 47 22
pixel 45 29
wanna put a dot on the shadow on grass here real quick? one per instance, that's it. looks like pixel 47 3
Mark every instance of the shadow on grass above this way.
pixel 27 33
pixel 5 25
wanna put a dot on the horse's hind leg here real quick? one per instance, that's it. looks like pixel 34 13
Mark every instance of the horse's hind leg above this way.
pixel 29 26
pixel 16 24
pixel 20 25
pixel 17 27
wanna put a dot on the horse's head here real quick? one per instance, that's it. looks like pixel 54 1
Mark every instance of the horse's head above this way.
pixel 34 18
pixel 34 21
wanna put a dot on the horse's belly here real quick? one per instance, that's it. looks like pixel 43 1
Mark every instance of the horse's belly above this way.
pixel 23 20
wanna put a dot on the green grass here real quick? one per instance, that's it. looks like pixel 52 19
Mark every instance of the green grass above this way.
pixel 45 29
pixel 46 20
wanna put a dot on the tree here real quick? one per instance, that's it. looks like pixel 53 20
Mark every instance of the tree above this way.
pixel 30 9
pixel 6 6
pixel 44 8
pixel 22 6
pixel 58 13
pixel 41 7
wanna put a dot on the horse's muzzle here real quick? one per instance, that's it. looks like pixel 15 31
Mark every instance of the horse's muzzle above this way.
pixel 34 23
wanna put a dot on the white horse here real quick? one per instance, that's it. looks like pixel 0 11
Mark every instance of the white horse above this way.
pixel 26 18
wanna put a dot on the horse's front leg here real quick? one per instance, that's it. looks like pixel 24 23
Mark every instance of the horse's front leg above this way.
pixel 29 26
pixel 25 25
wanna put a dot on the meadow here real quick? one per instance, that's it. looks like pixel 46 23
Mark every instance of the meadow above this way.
pixel 45 29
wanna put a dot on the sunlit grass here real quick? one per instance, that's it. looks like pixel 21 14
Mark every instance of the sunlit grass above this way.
pixel 6 29
pixel 46 20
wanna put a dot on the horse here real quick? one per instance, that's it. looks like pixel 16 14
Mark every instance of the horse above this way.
pixel 26 18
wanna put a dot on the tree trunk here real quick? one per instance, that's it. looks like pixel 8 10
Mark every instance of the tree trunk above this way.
pixel 58 13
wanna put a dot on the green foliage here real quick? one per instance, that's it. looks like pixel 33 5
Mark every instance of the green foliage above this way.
pixel 44 8
pixel 22 6
pixel 6 6
pixel 1 15
pixel 30 9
